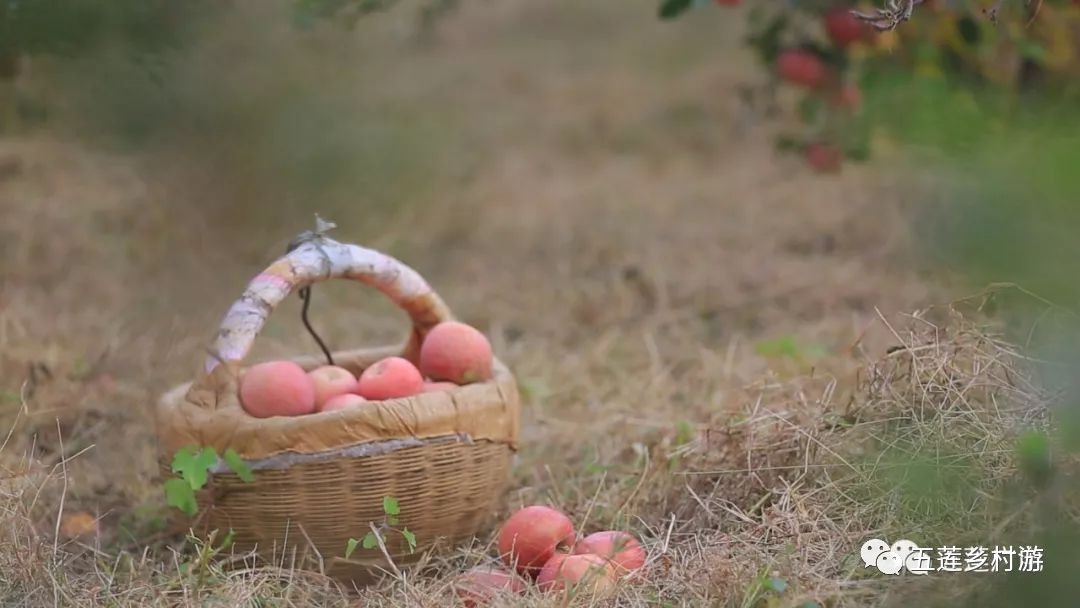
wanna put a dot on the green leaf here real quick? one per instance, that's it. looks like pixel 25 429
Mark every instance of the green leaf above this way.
pixel 228 540
pixel 350 547
pixel 370 541
pixel 409 538
pixel 390 506
pixel 238 466
pixel 787 143
pixel 684 432
pixel 1033 449
pixel 768 41
pixel 810 108
pixel 390 519
pixel 178 493
pixel 669 9
pixel 783 346
pixel 194 466
pixel 969 30
pixel 778 585
pixel 1032 50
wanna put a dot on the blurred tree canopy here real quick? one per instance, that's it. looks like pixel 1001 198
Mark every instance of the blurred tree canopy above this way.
pixel 68 28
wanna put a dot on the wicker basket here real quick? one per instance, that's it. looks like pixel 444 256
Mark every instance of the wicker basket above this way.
pixel 320 479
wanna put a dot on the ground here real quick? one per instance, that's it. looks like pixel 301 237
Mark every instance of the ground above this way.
pixel 590 195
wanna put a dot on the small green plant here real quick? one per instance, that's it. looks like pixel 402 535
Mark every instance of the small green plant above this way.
pixel 787 347
pixel 374 538
pixel 765 591
pixel 203 566
pixel 192 466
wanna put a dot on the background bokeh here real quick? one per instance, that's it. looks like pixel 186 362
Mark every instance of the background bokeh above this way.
pixel 598 189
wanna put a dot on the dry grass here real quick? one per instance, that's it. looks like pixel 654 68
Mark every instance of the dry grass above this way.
pixel 698 326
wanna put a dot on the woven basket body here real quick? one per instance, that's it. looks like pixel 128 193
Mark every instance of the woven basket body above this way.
pixel 320 479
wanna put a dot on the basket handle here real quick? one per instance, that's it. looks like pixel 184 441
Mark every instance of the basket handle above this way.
pixel 315 258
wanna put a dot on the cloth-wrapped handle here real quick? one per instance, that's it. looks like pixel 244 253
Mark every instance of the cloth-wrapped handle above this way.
pixel 314 260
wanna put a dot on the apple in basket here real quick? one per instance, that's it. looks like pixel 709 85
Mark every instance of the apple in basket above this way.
pixel 277 388
pixel 621 549
pixel 482 584
pixel 331 381
pixel 342 402
pixel 456 352
pixel 531 536
pixel 577 572
pixel 389 378
pixel 437 387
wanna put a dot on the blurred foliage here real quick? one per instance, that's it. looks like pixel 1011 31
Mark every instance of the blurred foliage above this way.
pixel 1013 182
pixel 245 107
pixel 33 27
pixel 1032 47
pixel 1003 152
pixel 988 111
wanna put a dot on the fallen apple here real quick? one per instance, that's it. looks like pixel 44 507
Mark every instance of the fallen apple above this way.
pixel 584 572
pixel 532 535
pixel 620 548
pixel 482 584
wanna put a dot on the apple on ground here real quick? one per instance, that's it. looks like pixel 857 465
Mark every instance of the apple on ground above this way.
pixel 577 572
pixel 482 584
pixel 529 538
pixel 620 548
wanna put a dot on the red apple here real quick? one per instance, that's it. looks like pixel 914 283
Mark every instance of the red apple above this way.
pixel 483 584
pixel 586 571
pixel 801 67
pixel 849 96
pixel 457 353
pixel 824 158
pixel 389 378
pixel 342 402
pixel 620 548
pixel 437 387
pixel 531 536
pixel 331 381
pixel 844 28
pixel 545 580
pixel 277 388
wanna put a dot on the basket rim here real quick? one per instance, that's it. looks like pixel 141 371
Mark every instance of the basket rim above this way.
pixel 364 449
pixel 487 410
